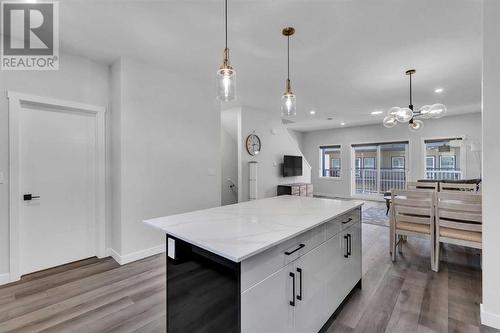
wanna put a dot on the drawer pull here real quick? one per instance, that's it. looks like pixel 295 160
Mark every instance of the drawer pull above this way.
pixel 299 296
pixel 348 220
pixel 292 302
pixel 291 252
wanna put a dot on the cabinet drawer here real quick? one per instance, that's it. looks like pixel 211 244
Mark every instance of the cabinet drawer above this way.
pixel 262 265
pixel 342 222
pixel 303 190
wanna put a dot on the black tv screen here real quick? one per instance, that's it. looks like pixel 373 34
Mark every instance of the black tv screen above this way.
pixel 292 166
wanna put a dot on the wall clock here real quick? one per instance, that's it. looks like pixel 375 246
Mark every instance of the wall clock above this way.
pixel 253 144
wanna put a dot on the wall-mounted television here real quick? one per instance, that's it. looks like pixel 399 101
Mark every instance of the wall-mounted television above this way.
pixel 292 166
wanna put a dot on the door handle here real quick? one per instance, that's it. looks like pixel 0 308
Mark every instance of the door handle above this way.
pixel 29 197
pixel 299 296
pixel 292 302
pixel 291 252
pixel 349 244
pixel 346 254
pixel 348 220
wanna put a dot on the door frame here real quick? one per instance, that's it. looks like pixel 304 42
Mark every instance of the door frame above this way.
pixel 15 104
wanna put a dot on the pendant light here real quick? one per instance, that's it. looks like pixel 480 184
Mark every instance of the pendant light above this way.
pixel 226 85
pixel 288 100
pixel 408 115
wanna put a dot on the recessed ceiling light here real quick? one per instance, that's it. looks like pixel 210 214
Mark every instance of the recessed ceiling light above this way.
pixel 312 112
pixel 342 124
pixel 438 90
pixel 377 112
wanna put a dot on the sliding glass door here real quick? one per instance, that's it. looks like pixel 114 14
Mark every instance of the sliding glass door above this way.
pixel 379 167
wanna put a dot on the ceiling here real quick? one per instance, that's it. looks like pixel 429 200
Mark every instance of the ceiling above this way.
pixel 348 57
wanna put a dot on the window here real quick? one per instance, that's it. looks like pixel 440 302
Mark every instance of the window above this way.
pixel 430 162
pixel 331 162
pixel 444 159
pixel 397 162
pixel 357 163
pixel 447 162
pixel 369 162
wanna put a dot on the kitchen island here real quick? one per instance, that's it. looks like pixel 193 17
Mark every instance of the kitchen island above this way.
pixel 283 264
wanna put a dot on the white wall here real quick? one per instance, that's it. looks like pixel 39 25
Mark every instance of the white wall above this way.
pixel 298 137
pixel 169 155
pixel 490 311
pixel 230 122
pixel 469 125
pixel 77 79
pixel 274 146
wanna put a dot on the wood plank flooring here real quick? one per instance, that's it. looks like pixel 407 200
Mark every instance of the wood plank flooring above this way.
pixel 100 296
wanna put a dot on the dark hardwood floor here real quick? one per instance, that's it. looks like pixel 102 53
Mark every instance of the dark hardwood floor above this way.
pixel 100 296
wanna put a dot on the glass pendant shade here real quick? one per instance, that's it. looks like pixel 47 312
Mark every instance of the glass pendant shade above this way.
pixel 424 111
pixel 393 111
pixel 437 111
pixel 226 84
pixel 390 121
pixel 416 125
pixel 288 105
pixel 404 115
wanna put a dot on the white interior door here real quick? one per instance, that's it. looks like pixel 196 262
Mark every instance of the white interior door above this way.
pixel 57 161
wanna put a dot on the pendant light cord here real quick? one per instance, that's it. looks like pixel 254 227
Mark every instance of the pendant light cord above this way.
pixel 288 57
pixel 225 14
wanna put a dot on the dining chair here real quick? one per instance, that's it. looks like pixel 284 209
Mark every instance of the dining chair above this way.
pixel 458 220
pixel 422 186
pixel 412 214
pixel 443 187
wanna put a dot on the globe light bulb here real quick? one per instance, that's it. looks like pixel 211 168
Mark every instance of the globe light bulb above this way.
pixel 404 115
pixel 389 121
pixel 416 125
pixel 437 111
pixel 424 111
pixel 393 111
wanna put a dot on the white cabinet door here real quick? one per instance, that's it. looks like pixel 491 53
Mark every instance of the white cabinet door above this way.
pixel 335 285
pixel 266 308
pixel 351 271
pixel 311 273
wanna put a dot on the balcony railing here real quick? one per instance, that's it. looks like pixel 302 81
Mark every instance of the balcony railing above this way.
pixel 443 174
pixel 367 180
pixel 331 172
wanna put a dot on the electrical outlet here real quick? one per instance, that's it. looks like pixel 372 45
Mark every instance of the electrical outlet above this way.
pixel 2 180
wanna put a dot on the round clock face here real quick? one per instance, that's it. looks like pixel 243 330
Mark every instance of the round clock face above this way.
pixel 253 144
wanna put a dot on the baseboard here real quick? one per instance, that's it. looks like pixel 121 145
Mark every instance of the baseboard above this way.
pixel 490 319
pixel 5 278
pixel 134 256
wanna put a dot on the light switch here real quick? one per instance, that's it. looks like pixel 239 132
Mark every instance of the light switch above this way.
pixel 1 178
pixel 212 172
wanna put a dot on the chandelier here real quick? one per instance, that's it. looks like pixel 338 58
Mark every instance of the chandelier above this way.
pixel 408 115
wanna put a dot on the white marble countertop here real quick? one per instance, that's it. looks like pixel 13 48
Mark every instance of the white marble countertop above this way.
pixel 237 232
